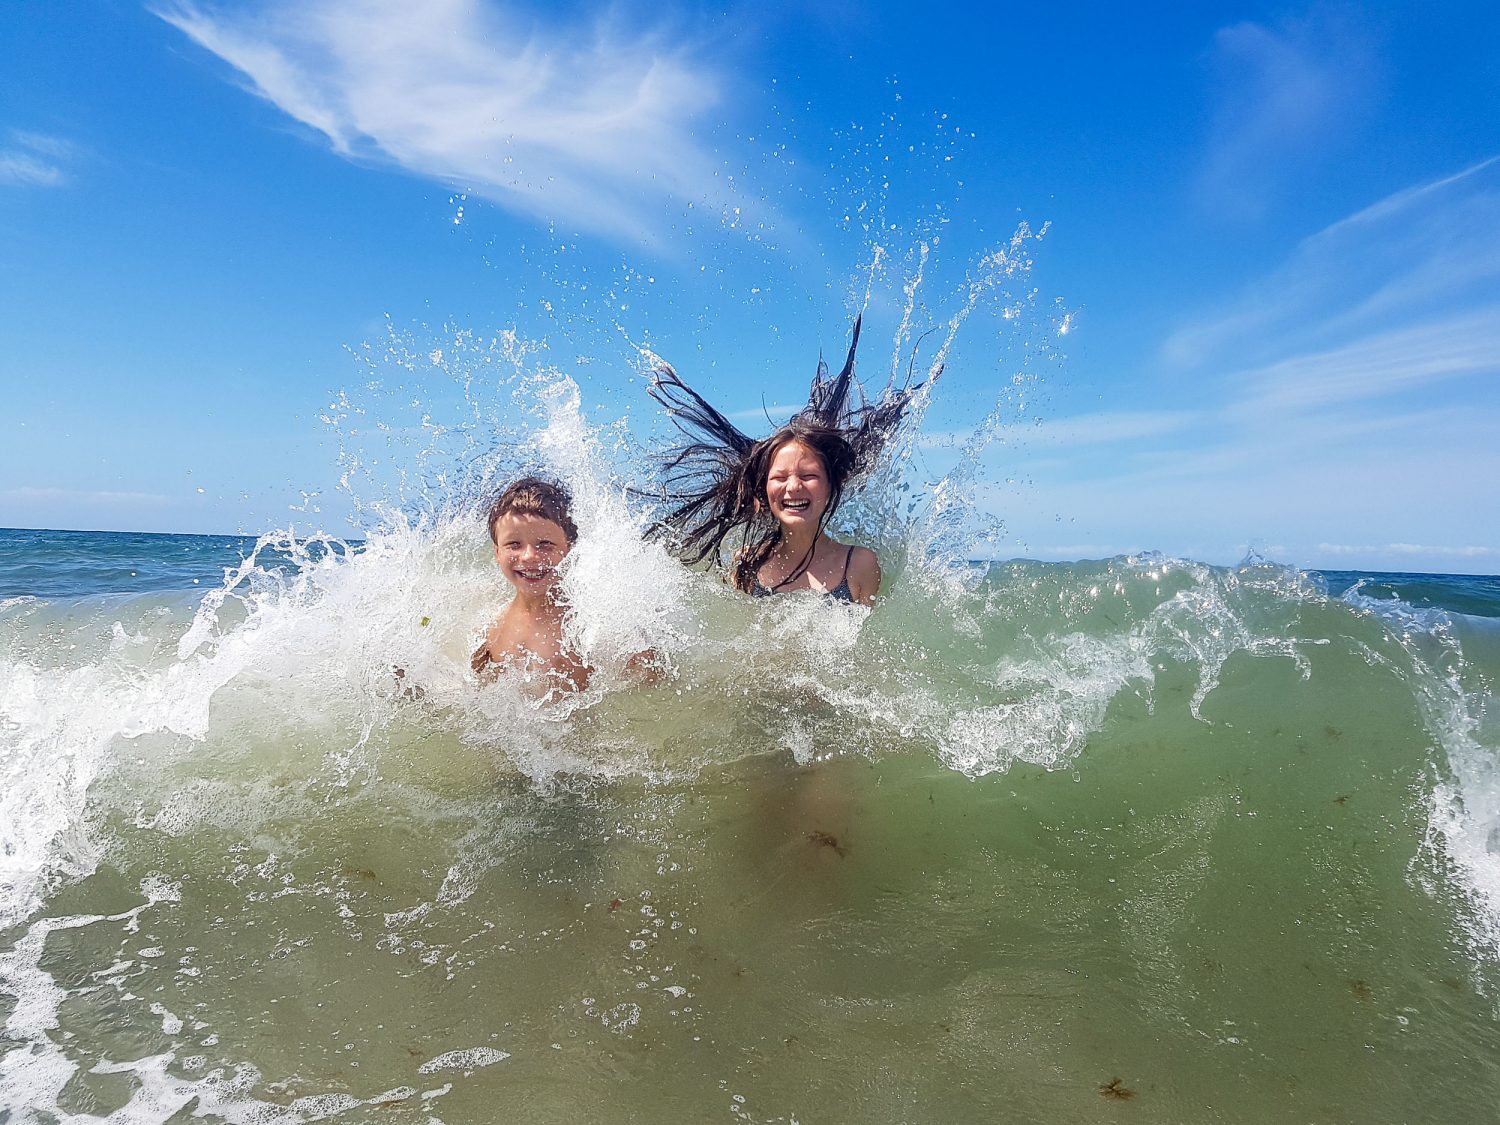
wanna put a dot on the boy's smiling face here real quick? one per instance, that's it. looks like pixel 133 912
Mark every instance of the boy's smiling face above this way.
pixel 528 549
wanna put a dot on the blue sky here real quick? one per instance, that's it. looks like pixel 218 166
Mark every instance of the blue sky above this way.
pixel 1265 310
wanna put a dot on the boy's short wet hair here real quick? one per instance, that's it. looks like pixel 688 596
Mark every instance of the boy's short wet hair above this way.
pixel 532 496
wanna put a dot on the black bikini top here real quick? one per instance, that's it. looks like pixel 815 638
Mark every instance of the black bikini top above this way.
pixel 840 593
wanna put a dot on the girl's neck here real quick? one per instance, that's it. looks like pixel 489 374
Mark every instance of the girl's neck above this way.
pixel 795 546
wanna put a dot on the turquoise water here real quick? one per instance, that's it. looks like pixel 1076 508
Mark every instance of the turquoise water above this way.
pixel 1136 838
pixel 77 564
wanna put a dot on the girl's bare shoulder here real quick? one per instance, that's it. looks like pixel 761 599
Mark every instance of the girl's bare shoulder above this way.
pixel 864 574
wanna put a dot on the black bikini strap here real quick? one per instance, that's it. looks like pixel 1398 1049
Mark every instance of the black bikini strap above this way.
pixel 847 559
pixel 800 568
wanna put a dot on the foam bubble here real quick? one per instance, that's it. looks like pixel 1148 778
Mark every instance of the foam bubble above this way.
pixel 469 1058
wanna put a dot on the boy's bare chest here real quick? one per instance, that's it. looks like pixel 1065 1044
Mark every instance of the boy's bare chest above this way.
pixel 525 643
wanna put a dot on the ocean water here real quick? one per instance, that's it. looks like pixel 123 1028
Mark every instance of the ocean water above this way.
pixel 1128 839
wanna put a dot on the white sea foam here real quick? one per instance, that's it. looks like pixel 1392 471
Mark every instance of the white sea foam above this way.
pixel 34 1072
pixel 1463 838
pixel 469 1058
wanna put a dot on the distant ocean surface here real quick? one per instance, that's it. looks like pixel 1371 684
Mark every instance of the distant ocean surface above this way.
pixel 1130 839
pixel 74 564
pixel 77 564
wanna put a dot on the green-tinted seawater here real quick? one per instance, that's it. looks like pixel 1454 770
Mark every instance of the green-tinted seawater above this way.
pixel 1221 922
pixel 1134 840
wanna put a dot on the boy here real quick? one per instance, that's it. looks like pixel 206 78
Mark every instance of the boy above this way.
pixel 532 532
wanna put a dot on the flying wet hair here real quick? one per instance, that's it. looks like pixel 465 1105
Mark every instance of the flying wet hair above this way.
pixel 532 496
pixel 715 484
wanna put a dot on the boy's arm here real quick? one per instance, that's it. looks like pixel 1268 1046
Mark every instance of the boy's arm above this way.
pixel 405 690
pixel 484 662
pixel 487 658
pixel 481 657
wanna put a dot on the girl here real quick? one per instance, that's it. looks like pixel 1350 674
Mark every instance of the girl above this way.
pixel 777 495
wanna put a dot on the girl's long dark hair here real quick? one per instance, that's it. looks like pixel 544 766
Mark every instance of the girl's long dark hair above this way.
pixel 716 482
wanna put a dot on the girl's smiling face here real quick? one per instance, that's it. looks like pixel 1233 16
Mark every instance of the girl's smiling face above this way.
pixel 528 549
pixel 797 486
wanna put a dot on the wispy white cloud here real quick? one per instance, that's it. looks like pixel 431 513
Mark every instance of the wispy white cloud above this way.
pixel 1395 305
pixel 777 412
pixel 1357 472
pixel 1431 250
pixel 590 126
pixel 35 159
pixel 1411 549
pixel 1284 94
pixel 1378 365
pixel 24 170
pixel 1105 428
pixel 1398 202
pixel 44 143
pixel 32 495
pixel 1391 465
pixel 1212 503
